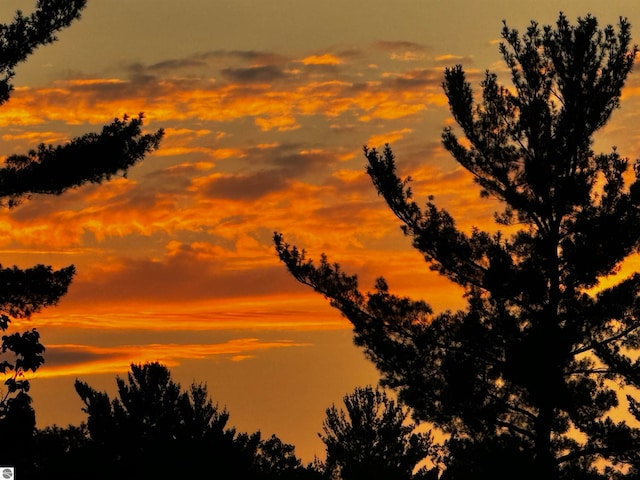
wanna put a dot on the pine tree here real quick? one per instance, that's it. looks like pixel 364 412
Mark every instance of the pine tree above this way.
pixel 372 438
pixel 51 170
pixel 524 381
pixel 156 429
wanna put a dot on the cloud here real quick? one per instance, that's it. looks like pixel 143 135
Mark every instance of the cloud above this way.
pixel 270 90
pixel 202 193
pixel 243 187
pixel 417 79
pixel 74 359
pixel 253 57
pixel 255 143
pixel 391 45
pixel 403 51
pixel 198 63
pixel 390 137
pixel 177 64
pixel 323 59
pixel 450 60
pixel 282 123
pixel 259 74
pixel 293 309
pixel 30 138
pixel 188 273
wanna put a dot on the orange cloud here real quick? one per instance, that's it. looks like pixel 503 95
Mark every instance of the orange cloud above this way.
pixel 32 138
pixel 83 82
pixel 74 360
pixel 233 215
pixel 189 231
pixel 324 59
pixel 402 50
pixel 391 137
pixel 407 56
pixel 277 106
pixel 450 58
pixel 281 123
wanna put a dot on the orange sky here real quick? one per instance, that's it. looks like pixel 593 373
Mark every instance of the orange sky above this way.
pixel 266 106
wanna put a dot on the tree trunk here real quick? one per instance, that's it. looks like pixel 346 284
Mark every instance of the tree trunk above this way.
pixel 544 462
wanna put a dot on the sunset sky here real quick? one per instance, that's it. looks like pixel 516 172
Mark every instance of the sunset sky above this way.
pixel 266 105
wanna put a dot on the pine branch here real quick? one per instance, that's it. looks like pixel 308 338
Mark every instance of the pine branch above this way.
pixel 91 158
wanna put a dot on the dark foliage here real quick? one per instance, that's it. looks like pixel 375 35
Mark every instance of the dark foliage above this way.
pixel 18 426
pixel 58 453
pixel 21 37
pixel 25 292
pixel 372 439
pixel 153 421
pixel 155 429
pixel 524 380
pixel 92 158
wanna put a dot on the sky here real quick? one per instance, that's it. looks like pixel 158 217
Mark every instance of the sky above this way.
pixel 266 106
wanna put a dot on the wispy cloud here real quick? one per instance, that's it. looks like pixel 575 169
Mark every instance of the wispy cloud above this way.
pixel 75 360
pixel 323 59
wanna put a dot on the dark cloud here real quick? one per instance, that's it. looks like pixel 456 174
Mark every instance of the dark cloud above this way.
pixel 265 73
pixel 350 53
pixel 288 161
pixel 255 57
pixel 187 274
pixel 173 179
pixel 245 187
pixel 417 155
pixel 177 64
pixel 420 78
pixel 313 71
pixel 392 46
pixel 258 57
pixel 349 214
pixel 64 355
pixel 301 163
pixel 247 66
pixel 216 59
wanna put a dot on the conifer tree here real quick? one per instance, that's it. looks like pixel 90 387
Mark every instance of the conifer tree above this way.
pixel 526 379
pixel 372 439
pixel 156 429
pixel 50 170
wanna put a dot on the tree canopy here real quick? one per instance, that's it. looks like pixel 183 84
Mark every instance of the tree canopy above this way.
pixel 152 419
pixel 51 170
pixel 154 427
pixel 371 438
pixel 524 380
